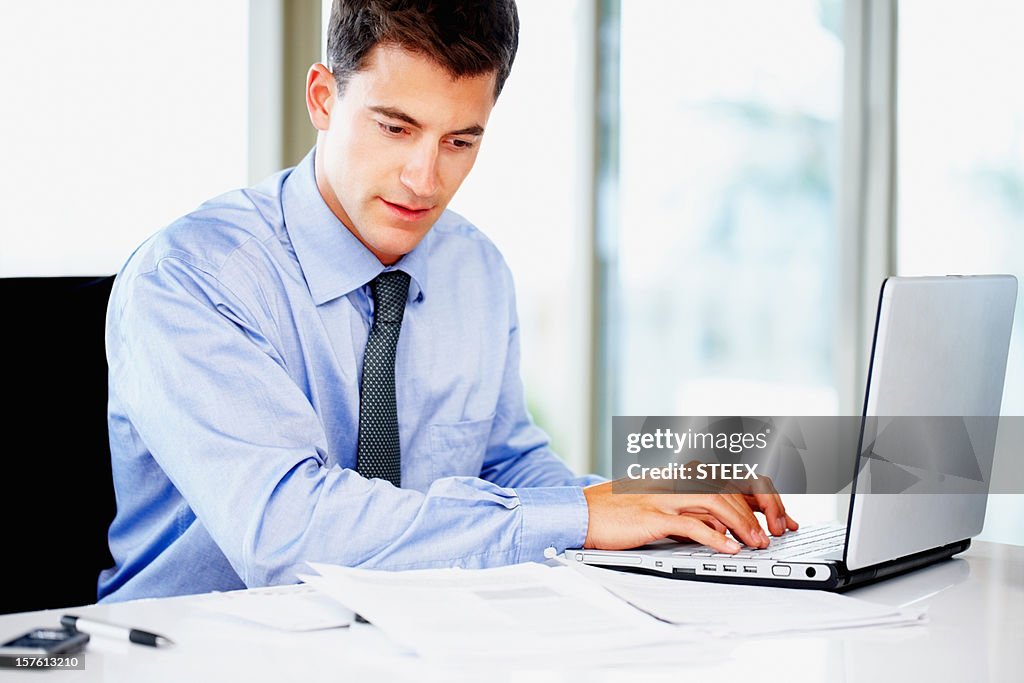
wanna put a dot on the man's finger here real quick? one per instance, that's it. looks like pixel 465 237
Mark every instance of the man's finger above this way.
pixel 712 522
pixel 762 496
pixel 690 527
pixel 733 511
pixel 774 511
pixel 759 539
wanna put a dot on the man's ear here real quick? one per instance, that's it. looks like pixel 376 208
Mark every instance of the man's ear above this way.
pixel 321 90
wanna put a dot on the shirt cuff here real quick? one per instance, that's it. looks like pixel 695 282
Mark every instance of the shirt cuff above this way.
pixel 552 517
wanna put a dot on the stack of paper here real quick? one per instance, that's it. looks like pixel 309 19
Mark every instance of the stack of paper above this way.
pixel 533 610
pixel 522 610
pixel 745 610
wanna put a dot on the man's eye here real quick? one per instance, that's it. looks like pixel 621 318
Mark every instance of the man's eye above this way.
pixel 461 144
pixel 391 130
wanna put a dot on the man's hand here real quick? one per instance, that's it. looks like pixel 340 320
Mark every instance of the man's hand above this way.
pixel 618 521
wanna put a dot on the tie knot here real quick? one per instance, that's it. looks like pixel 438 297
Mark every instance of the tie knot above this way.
pixel 390 290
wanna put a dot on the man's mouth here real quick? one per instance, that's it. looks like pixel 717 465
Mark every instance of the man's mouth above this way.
pixel 408 213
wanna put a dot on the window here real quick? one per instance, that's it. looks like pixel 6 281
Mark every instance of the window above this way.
pixel 727 246
pixel 961 165
pixel 114 125
pixel 529 194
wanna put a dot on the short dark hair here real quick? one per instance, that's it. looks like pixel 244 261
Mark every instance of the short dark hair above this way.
pixel 464 37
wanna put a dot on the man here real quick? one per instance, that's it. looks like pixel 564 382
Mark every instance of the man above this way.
pixel 325 367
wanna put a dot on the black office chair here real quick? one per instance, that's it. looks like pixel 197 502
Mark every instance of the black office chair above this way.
pixel 56 492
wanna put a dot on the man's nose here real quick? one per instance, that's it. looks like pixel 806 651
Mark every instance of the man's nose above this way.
pixel 420 172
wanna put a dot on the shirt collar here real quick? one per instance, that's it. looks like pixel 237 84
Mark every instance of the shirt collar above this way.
pixel 333 261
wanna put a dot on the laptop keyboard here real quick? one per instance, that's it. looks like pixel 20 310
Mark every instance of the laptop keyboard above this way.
pixel 816 539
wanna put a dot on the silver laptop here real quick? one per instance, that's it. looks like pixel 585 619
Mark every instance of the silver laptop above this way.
pixel 939 349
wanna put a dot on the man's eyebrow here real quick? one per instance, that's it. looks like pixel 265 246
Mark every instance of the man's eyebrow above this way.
pixel 393 113
pixel 472 130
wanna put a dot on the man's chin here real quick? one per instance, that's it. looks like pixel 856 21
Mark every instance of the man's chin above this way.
pixel 396 243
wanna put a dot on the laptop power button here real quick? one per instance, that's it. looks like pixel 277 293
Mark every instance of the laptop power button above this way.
pixel 781 570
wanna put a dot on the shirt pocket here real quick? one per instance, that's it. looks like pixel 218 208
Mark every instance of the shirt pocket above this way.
pixel 457 448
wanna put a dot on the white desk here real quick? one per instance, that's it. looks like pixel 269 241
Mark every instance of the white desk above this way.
pixel 975 633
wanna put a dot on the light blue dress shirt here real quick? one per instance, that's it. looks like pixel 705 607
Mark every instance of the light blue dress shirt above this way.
pixel 235 339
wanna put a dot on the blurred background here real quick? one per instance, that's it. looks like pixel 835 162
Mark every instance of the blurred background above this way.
pixel 699 199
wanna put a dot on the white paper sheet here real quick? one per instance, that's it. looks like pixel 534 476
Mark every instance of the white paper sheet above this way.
pixel 744 610
pixel 290 608
pixel 521 610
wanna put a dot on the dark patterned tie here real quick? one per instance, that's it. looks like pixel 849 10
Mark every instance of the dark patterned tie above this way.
pixel 379 455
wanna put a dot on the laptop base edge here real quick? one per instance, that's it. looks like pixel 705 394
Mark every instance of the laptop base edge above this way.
pixel 885 570
pixel 840 580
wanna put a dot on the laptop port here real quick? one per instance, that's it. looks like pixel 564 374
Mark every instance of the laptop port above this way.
pixel 729 567
pixel 710 568
pixel 747 569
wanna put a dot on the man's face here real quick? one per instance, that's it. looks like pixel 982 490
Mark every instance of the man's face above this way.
pixel 396 145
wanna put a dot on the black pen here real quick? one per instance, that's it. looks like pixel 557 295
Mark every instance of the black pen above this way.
pixel 99 628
